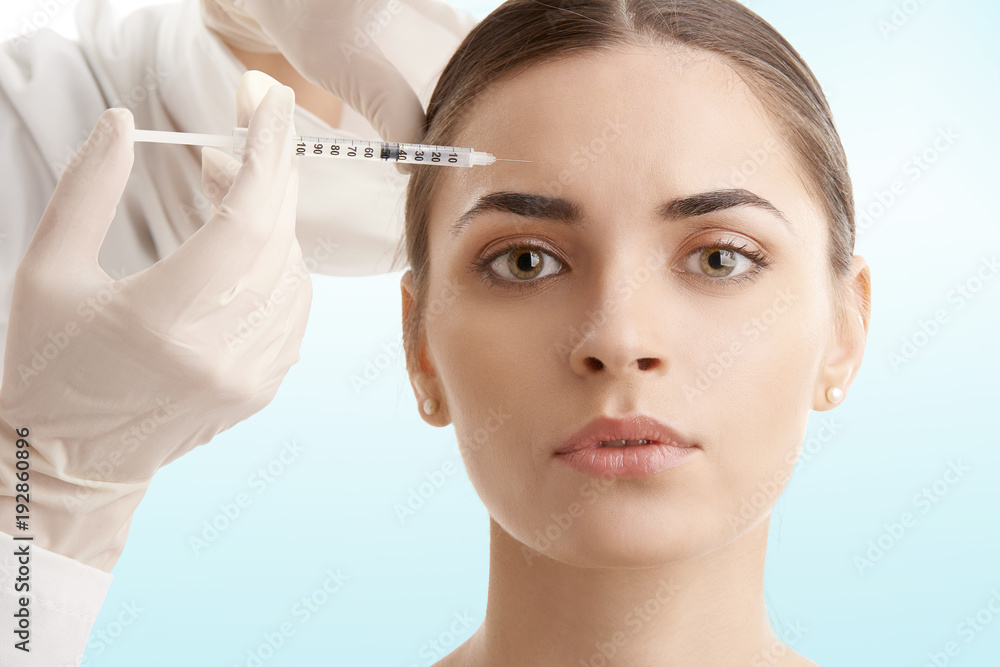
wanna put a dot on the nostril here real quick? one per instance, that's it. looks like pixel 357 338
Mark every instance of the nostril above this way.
pixel 645 363
pixel 595 364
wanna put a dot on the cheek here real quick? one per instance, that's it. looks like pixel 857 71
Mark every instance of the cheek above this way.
pixel 749 386
pixel 497 373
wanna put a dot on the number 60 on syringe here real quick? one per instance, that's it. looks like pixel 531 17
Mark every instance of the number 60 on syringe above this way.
pixel 389 151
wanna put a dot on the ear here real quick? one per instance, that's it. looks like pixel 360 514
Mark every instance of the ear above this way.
pixel 850 336
pixel 423 377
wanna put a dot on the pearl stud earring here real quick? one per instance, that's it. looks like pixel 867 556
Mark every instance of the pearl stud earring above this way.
pixel 430 406
pixel 834 394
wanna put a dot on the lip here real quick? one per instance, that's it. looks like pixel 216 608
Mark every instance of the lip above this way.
pixel 667 448
pixel 634 427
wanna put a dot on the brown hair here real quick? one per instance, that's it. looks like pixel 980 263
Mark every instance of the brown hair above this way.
pixel 521 33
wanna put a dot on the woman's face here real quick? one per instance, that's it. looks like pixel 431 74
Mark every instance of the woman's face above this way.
pixel 737 348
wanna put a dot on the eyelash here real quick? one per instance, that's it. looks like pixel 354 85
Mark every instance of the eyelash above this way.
pixel 481 266
pixel 759 258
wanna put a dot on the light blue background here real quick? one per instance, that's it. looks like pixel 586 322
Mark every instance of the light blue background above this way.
pixel 332 508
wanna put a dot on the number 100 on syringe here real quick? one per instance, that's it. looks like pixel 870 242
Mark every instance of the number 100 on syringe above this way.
pixel 390 152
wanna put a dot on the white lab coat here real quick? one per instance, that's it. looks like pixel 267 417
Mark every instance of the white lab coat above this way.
pixel 173 74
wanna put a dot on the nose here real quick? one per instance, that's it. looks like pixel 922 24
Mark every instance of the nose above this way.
pixel 626 333
pixel 619 353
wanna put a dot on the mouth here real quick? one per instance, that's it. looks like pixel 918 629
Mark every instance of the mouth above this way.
pixel 631 431
pixel 623 443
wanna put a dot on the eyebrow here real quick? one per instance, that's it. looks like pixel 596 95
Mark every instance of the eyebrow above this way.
pixel 562 210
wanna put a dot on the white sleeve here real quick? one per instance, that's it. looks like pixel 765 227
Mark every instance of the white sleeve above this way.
pixel 62 596
pixel 48 104
pixel 25 187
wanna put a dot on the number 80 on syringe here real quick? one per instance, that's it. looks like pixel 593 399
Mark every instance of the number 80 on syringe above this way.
pixel 390 151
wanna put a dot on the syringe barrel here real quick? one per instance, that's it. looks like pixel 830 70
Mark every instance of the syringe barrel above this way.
pixel 373 151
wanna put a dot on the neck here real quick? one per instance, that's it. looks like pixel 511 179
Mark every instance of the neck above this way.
pixel 308 95
pixel 708 610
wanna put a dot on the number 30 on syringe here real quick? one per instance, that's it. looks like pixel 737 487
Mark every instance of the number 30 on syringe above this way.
pixel 397 154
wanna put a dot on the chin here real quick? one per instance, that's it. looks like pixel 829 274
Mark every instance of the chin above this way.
pixel 607 540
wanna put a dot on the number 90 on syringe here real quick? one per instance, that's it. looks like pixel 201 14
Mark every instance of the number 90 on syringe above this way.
pixel 390 152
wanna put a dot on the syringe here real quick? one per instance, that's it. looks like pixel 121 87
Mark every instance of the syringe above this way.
pixel 352 149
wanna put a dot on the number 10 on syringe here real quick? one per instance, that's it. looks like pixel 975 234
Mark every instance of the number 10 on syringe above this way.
pixel 394 152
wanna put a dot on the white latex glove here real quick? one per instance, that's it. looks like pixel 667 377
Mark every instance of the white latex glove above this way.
pixel 114 379
pixel 318 37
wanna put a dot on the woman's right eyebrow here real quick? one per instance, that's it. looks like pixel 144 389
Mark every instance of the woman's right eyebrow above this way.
pixel 562 210
pixel 520 203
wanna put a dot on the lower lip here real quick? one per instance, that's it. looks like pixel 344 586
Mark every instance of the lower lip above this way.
pixel 628 461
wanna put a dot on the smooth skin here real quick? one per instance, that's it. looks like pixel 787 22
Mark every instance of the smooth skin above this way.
pixel 322 103
pixel 528 347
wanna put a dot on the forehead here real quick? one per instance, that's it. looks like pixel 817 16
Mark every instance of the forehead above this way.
pixel 624 124
pixel 663 90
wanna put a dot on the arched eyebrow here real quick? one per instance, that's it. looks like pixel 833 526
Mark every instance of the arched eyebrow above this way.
pixel 556 209
pixel 520 203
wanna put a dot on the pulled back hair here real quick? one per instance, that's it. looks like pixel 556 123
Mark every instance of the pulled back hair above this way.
pixel 522 33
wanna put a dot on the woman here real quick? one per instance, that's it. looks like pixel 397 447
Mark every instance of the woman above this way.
pixel 635 281
pixel 711 314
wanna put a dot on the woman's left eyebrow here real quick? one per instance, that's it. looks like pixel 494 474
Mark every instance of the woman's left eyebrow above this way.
pixel 718 200
pixel 562 210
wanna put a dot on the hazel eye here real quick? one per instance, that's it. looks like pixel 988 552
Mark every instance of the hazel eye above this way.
pixel 524 263
pixel 719 262
pixel 722 261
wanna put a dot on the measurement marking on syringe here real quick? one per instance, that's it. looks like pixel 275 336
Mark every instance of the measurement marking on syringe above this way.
pixel 328 147
pixel 378 150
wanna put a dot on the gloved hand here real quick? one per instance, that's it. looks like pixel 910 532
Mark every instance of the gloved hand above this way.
pixel 319 39
pixel 109 380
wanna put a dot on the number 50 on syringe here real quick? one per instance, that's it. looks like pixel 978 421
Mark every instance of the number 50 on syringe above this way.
pixel 368 150
pixel 356 149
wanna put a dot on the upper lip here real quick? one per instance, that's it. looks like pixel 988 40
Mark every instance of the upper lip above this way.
pixel 633 427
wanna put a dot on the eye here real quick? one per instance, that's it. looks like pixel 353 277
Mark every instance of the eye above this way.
pixel 724 262
pixel 518 262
